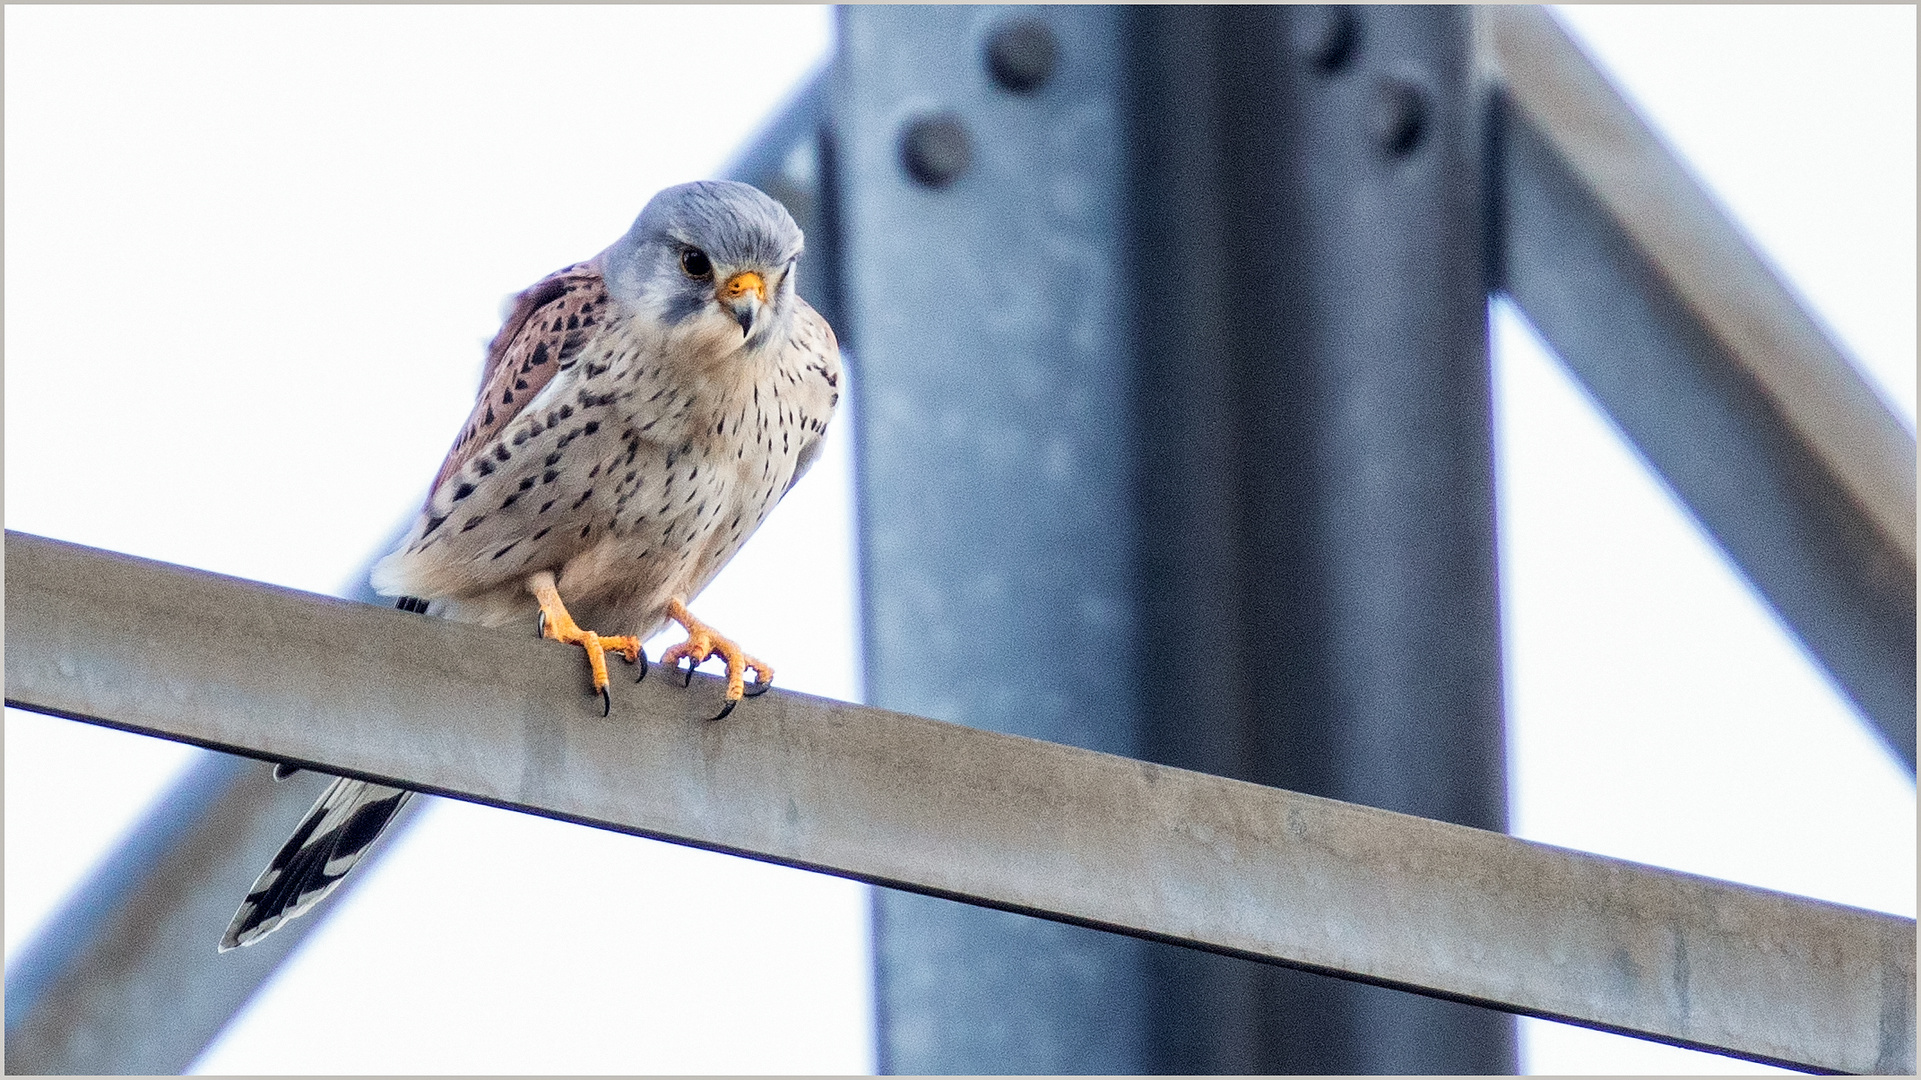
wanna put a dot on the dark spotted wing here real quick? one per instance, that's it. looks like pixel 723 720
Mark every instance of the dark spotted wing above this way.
pixel 549 325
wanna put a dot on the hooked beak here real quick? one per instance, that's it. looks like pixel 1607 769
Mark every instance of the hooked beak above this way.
pixel 742 295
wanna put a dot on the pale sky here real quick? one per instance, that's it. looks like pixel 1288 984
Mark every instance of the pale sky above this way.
pixel 286 232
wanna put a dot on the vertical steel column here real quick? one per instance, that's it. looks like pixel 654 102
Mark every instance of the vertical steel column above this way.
pixel 983 290
pixel 1170 340
pixel 1318 468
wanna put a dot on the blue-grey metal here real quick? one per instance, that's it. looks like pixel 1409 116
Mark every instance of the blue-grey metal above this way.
pixel 991 363
pixel 1681 355
pixel 1181 352
pixel 1711 434
pixel 1317 468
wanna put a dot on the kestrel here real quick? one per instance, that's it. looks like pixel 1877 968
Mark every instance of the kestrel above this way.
pixel 640 414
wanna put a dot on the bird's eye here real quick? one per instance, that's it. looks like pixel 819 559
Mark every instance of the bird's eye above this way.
pixel 694 261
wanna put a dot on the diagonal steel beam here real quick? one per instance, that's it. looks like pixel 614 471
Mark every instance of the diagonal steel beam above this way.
pixel 124 979
pixel 1707 362
pixel 991 819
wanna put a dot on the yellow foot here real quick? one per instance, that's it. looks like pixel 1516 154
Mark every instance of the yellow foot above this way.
pixel 702 642
pixel 555 623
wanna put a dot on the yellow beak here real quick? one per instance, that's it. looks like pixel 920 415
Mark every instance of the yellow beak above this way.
pixel 743 283
pixel 743 294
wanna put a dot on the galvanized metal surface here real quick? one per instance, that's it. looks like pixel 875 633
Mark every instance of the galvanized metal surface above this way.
pixel 984 238
pixel 1316 470
pixel 980 816
pixel 1170 342
pixel 1009 383
pixel 1708 363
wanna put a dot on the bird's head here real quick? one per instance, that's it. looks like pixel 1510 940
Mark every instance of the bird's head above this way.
pixel 713 260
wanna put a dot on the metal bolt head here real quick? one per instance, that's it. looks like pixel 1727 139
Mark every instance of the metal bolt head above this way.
pixel 1399 117
pixel 1327 34
pixel 936 150
pixel 1021 55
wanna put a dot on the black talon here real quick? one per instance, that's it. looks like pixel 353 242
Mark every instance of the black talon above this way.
pixel 756 689
pixel 606 702
pixel 282 770
pixel 689 681
pixel 540 625
pixel 643 665
pixel 725 709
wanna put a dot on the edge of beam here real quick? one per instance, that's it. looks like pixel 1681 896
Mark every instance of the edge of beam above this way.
pixel 1729 286
pixel 970 815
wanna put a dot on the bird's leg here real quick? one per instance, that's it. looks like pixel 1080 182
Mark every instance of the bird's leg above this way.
pixel 702 642
pixel 557 624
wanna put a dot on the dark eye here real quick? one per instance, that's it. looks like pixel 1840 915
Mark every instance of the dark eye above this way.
pixel 694 261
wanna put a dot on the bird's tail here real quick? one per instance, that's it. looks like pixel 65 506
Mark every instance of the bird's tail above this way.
pixel 330 840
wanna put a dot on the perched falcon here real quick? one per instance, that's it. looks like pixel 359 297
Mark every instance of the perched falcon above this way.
pixel 639 416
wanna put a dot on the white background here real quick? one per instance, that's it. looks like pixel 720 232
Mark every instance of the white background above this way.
pixel 252 255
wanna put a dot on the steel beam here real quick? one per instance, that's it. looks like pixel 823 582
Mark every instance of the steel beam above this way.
pixel 1317 466
pixel 985 235
pixel 1169 340
pixel 993 819
pixel 1708 363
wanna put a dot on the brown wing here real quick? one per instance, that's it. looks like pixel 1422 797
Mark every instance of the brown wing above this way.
pixel 549 325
